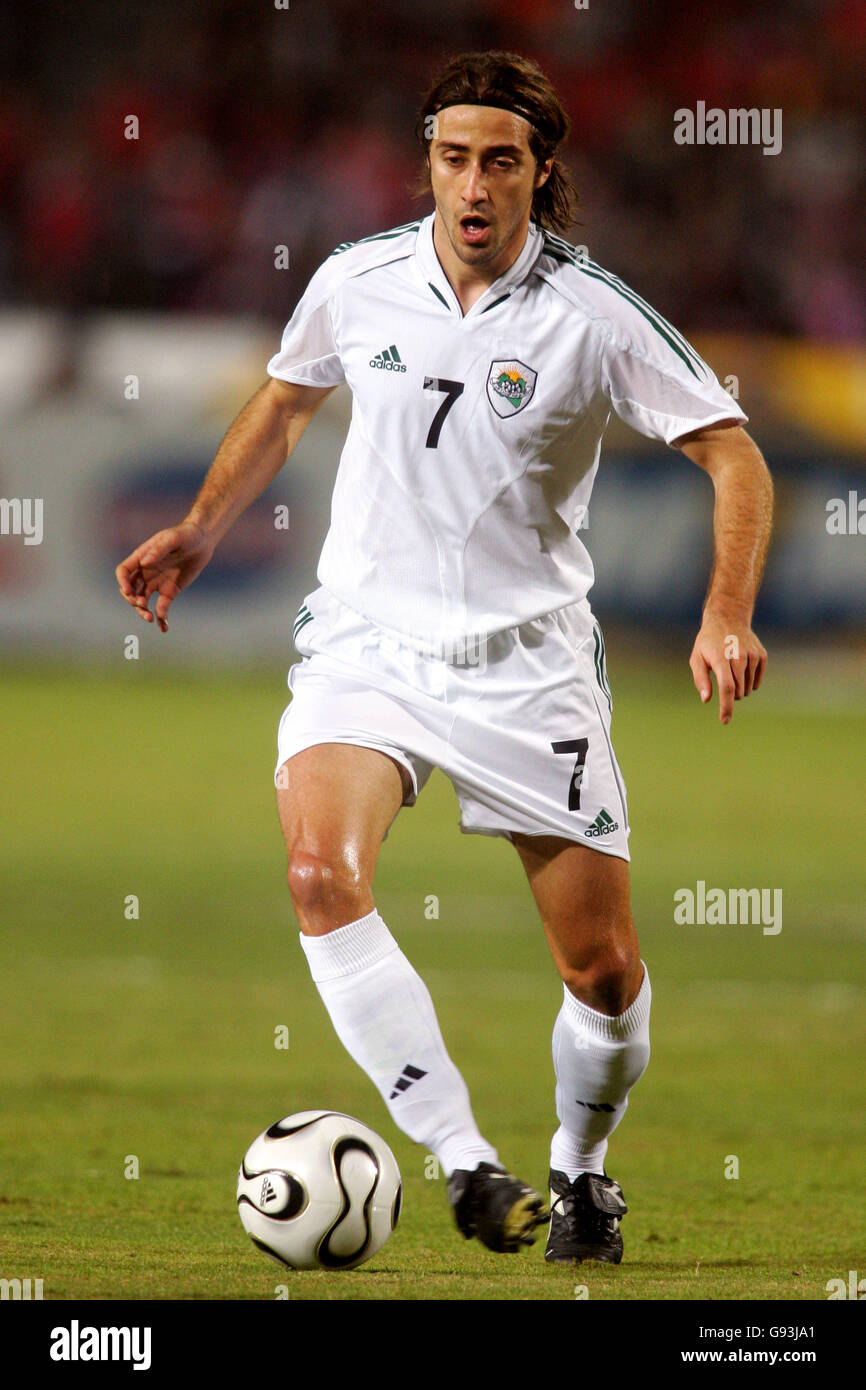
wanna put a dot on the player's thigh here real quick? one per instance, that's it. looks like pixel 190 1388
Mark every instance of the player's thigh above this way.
pixel 336 801
pixel 584 900
pixel 570 879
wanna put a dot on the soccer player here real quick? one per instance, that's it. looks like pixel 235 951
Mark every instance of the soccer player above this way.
pixel 451 626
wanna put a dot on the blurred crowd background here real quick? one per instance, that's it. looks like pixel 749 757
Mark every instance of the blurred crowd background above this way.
pixel 141 300
pixel 261 126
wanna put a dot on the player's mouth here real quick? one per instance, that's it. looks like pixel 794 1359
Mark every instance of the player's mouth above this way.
pixel 473 228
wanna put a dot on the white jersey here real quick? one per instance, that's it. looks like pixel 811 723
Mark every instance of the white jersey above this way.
pixel 475 438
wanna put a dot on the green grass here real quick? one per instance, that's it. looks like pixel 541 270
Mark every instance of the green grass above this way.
pixel 155 1037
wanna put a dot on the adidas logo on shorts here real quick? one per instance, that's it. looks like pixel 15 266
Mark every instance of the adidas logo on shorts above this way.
pixel 602 825
pixel 388 360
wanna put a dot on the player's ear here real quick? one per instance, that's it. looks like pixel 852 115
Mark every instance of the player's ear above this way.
pixel 543 172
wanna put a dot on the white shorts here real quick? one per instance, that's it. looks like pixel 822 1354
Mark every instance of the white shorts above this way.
pixel 521 729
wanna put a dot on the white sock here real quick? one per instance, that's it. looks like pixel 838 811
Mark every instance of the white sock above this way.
pixel 597 1060
pixel 384 1017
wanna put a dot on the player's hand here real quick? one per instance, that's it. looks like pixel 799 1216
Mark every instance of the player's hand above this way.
pixel 166 564
pixel 730 651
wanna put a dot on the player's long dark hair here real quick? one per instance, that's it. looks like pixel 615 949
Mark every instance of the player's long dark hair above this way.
pixel 516 84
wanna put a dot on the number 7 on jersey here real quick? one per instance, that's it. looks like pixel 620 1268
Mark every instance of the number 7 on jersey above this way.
pixel 452 390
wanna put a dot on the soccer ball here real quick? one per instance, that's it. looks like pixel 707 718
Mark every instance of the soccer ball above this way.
pixel 319 1190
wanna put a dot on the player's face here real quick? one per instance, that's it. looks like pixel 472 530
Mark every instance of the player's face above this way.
pixel 483 176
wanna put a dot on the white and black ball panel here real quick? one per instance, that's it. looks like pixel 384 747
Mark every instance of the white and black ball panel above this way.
pixel 357 1169
pixel 293 1124
pixel 269 1250
pixel 319 1189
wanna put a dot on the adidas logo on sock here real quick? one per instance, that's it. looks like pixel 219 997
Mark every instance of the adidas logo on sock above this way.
pixel 268 1193
pixel 404 1081
pixel 602 1105
pixel 603 824
pixel 388 360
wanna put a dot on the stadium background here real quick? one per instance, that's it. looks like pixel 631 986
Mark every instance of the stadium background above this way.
pixel 152 260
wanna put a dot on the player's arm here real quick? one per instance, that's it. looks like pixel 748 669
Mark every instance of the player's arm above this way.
pixel 251 455
pixel 742 522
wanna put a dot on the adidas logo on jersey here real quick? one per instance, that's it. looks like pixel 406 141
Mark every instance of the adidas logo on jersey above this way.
pixel 388 361
pixel 602 825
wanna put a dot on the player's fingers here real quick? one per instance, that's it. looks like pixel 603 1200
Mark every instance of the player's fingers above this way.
pixel 137 596
pixel 140 590
pixel 751 670
pixel 738 669
pixel 127 574
pixel 727 690
pixel 151 552
pixel 701 676
pixel 163 604
pixel 133 593
pixel 130 577
pixel 760 669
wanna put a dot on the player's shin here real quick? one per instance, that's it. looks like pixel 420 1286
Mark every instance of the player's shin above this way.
pixel 597 1059
pixel 383 1015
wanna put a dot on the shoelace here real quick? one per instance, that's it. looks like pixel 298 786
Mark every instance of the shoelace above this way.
pixel 599 1222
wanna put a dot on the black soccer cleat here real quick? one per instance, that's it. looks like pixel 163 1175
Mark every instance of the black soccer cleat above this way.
pixel 584 1219
pixel 496 1207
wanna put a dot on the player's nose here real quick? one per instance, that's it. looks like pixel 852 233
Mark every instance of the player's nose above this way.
pixel 473 190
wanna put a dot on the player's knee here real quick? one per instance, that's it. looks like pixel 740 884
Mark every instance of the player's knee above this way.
pixel 608 981
pixel 323 885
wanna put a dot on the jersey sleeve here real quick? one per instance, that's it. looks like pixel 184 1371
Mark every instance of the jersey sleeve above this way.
pixel 655 380
pixel 309 354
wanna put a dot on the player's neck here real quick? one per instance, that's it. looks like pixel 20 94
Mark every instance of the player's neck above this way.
pixel 469 282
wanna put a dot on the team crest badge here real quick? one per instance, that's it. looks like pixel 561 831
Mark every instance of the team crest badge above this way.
pixel 510 386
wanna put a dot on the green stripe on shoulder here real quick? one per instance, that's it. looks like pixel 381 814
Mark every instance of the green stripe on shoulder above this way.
pixel 664 330
pixel 661 324
pixel 559 249
pixel 566 254
pixel 376 236
pixel 301 625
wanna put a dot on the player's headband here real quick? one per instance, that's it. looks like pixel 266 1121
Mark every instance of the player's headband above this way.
pixel 502 104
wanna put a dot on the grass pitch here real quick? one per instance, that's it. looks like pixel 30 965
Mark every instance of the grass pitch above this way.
pixel 152 1037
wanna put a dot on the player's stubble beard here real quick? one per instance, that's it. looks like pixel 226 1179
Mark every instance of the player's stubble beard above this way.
pixel 483 255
